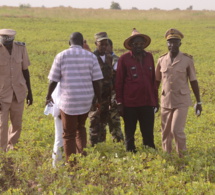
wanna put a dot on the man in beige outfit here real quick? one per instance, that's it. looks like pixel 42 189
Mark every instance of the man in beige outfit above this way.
pixel 174 69
pixel 14 84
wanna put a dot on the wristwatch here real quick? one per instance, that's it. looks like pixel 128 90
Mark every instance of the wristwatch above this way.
pixel 199 103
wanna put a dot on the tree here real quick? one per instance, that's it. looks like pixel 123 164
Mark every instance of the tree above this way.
pixel 134 8
pixel 23 6
pixel 190 8
pixel 115 5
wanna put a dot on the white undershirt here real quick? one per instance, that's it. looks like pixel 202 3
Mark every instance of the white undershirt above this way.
pixel 103 58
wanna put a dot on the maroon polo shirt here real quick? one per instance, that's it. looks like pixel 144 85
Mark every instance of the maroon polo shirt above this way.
pixel 135 82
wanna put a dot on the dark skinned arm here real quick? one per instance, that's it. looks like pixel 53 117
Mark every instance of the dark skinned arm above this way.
pixel 29 98
pixel 158 77
pixel 52 86
pixel 97 91
pixel 195 88
pixel 158 105
pixel 158 84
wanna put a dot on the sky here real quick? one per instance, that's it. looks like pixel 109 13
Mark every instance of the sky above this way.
pixel 124 4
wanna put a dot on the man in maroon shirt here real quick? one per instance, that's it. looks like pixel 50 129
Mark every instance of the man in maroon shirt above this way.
pixel 136 91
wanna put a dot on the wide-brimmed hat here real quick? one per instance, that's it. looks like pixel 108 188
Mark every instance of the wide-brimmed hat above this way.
pixel 8 32
pixel 135 33
pixel 173 33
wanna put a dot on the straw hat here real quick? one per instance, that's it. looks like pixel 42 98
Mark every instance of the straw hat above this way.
pixel 135 33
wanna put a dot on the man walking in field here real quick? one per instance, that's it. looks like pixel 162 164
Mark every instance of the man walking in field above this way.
pixel 136 91
pixel 14 87
pixel 174 69
pixel 79 73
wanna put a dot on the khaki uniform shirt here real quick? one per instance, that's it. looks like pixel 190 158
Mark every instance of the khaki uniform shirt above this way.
pixel 11 76
pixel 174 76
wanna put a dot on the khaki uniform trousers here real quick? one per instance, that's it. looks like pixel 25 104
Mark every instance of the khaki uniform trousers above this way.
pixel 173 123
pixel 9 136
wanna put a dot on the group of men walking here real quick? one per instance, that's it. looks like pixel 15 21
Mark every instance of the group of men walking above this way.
pixel 102 86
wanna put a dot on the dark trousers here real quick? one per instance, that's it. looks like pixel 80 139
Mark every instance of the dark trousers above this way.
pixel 145 116
pixel 74 133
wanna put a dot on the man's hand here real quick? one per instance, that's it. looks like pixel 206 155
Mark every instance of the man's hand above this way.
pixel 29 98
pixel 49 100
pixel 52 86
pixel 198 109
pixel 156 108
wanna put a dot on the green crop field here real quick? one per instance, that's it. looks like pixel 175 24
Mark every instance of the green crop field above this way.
pixel 108 169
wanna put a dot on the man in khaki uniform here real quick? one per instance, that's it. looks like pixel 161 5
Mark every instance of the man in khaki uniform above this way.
pixel 174 69
pixel 14 84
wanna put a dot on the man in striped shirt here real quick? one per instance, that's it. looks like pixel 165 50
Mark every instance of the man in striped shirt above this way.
pixel 79 73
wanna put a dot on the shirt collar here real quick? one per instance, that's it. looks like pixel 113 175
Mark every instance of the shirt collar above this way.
pixel 75 46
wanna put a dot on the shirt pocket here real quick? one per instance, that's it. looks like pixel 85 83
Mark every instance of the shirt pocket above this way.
pixel 149 69
pixel 18 60
pixel 3 67
pixel 133 72
pixel 184 91
pixel 181 74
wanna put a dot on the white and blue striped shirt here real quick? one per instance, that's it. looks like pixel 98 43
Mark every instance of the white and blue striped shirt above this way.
pixel 75 69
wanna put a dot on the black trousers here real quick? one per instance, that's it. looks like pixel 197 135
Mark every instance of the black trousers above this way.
pixel 145 116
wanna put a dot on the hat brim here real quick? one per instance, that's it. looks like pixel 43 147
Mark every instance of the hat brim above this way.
pixel 102 38
pixel 8 32
pixel 147 39
pixel 173 37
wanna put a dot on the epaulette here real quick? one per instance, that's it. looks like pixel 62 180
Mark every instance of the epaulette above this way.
pixel 188 55
pixel 19 43
pixel 163 55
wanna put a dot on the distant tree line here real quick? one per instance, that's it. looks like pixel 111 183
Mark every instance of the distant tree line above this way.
pixel 114 5
pixel 24 6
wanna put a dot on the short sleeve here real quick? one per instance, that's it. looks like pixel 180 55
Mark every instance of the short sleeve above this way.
pixel 25 59
pixel 55 72
pixel 191 71
pixel 96 71
pixel 157 71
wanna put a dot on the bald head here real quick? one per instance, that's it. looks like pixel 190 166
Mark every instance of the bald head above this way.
pixel 76 38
